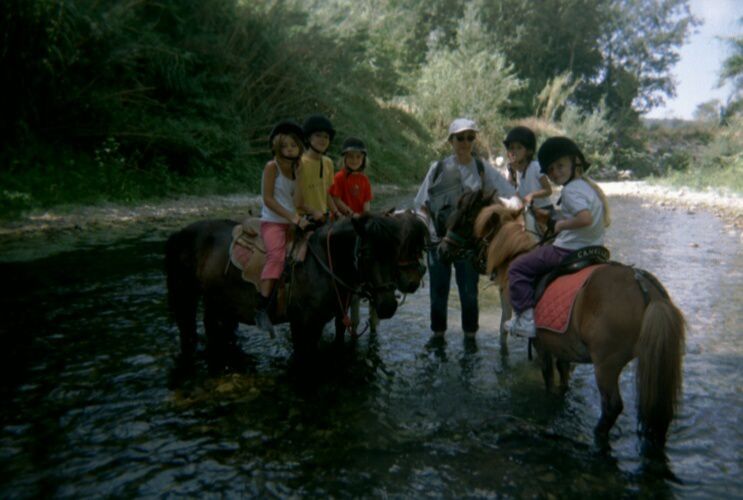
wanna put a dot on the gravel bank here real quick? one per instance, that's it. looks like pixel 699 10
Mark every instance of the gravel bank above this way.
pixel 727 206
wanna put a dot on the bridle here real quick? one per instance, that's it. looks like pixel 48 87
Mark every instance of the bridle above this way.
pixel 361 255
pixel 473 249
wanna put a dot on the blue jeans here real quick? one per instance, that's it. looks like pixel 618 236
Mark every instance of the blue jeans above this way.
pixel 440 278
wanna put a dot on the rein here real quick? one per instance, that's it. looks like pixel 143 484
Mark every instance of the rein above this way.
pixel 545 237
pixel 468 249
pixel 329 270
pixel 361 291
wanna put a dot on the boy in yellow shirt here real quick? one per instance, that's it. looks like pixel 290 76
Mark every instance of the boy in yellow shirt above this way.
pixel 315 174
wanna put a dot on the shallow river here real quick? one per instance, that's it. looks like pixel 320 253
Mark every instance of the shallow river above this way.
pixel 88 409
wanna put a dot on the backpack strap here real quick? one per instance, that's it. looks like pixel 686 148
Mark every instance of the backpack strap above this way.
pixel 481 171
pixel 437 171
pixel 478 162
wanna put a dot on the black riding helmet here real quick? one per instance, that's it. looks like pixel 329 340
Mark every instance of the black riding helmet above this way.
pixel 317 123
pixel 355 144
pixel 285 127
pixel 522 135
pixel 555 148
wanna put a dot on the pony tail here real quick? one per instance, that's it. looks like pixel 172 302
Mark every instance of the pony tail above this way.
pixel 602 197
pixel 659 371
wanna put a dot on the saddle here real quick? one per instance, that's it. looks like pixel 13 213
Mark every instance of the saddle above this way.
pixel 248 253
pixel 572 263
pixel 557 290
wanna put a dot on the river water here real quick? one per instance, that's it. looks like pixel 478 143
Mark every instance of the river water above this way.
pixel 90 408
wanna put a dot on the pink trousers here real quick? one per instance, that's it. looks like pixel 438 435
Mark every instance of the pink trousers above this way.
pixel 275 236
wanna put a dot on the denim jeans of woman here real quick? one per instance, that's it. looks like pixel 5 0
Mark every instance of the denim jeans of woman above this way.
pixel 467 279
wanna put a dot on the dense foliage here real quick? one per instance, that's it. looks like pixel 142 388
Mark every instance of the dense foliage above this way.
pixel 124 99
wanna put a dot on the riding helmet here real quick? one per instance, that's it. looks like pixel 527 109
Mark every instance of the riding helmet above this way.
pixel 317 123
pixel 522 135
pixel 353 144
pixel 555 148
pixel 286 127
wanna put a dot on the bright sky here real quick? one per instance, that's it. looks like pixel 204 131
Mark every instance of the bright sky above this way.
pixel 698 71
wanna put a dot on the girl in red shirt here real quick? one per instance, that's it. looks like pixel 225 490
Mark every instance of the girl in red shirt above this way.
pixel 351 189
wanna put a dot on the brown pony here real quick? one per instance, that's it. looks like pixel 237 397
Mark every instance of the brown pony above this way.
pixel 621 313
pixel 370 255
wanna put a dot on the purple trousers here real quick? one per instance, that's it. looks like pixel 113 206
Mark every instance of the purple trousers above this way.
pixel 524 271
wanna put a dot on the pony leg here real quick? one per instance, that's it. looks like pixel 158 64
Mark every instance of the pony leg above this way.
pixel 340 329
pixel 607 379
pixel 506 313
pixel 183 302
pixel 305 336
pixel 223 350
pixel 564 368
pixel 548 372
pixel 185 319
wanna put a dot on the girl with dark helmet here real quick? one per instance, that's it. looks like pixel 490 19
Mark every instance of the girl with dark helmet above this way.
pixel 278 213
pixel 315 174
pixel 581 221
pixel 532 185
pixel 351 189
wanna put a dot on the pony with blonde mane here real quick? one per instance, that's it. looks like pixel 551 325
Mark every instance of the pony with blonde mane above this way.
pixel 620 314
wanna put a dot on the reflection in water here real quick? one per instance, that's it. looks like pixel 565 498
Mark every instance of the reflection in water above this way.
pixel 89 355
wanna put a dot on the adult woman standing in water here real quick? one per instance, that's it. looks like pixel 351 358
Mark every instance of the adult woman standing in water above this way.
pixel 437 196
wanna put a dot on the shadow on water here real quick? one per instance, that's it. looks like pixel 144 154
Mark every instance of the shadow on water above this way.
pixel 95 405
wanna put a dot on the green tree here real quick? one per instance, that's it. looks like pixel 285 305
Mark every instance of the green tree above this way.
pixel 470 79
pixel 546 39
pixel 732 71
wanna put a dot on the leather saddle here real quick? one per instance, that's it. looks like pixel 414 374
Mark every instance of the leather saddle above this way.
pixel 572 263
pixel 248 252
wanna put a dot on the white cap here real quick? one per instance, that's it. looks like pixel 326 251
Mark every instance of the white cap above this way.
pixel 462 124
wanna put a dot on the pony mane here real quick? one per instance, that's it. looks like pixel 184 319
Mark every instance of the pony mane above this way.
pixel 509 242
pixel 413 233
pixel 384 233
pixel 468 206
pixel 492 217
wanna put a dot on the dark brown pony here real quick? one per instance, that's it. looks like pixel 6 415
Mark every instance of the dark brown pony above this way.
pixel 350 256
pixel 414 238
pixel 621 313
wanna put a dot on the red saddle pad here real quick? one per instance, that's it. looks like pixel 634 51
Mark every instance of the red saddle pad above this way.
pixel 554 308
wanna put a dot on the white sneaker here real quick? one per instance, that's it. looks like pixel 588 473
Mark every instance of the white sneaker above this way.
pixel 509 323
pixel 523 326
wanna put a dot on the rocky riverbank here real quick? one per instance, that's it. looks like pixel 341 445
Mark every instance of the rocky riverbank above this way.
pixel 727 206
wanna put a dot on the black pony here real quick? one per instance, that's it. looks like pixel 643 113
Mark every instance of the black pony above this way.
pixel 359 255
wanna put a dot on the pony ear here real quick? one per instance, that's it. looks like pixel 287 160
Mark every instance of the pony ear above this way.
pixel 489 196
pixel 359 224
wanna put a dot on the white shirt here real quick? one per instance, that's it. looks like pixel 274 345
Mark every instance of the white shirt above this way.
pixel 529 183
pixel 470 180
pixel 577 196
pixel 283 192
